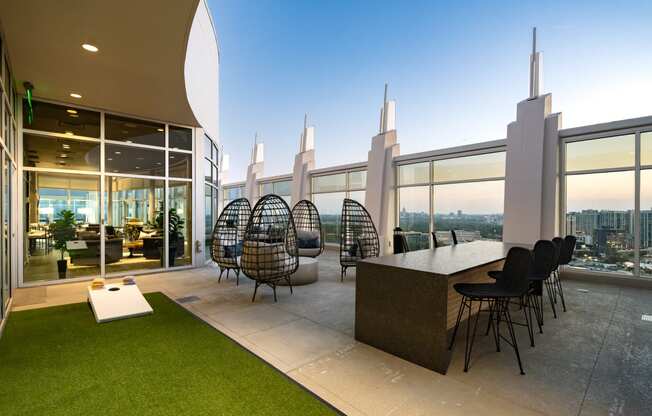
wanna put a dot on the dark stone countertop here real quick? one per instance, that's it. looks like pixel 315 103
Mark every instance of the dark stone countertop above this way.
pixel 448 260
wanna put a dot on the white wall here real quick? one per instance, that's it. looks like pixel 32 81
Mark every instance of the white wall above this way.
pixel 201 72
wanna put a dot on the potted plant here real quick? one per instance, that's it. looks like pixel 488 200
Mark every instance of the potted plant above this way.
pixel 175 232
pixel 63 230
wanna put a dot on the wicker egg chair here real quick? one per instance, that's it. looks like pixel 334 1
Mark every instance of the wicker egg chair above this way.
pixel 358 235
pixel 270 251
pixel 228 237
pixel 310 236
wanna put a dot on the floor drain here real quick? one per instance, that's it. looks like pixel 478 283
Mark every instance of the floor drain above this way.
pixel 188 299
pixel 647 318
pixel 583 290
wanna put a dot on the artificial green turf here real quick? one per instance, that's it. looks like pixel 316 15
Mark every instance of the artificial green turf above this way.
pixel 59 361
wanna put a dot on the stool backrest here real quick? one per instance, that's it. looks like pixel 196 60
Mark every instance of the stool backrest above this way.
pixel 454 236
pixel 516 270
pixel 567 249
pixel 400 242
pixel 546 256
pixel 558 242
pixel 434 240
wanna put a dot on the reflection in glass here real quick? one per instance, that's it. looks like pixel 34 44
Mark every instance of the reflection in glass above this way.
pixel 266 188
pixel 134 224
pixel 474 210
pixel 180 223
pixel 180 138
pixel 180 165
pixel 490 165
pixel 601 217
pixel 131 130
pixel 54 152
pixel 415 173
pixel 55 118
pixel 414 216
pixel 358 179
pixel 610 152
pixel 208 169
pixel 49 196
pixel 134 160
pixel 283 188
pixel 330 210
pixel 329 183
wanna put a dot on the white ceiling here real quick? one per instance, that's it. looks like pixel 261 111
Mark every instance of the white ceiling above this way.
pixel 138 70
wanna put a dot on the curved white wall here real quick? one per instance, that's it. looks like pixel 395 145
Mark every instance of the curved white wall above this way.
pixel 201 71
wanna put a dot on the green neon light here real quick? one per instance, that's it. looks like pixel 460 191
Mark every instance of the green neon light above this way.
pixel 30 109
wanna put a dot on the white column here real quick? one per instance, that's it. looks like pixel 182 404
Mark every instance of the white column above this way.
pixel 254 172
pixel 304 162
pixel 380 192
pixel 531 180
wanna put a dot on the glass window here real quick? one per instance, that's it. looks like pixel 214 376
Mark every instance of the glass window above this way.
pixel 357 196
pixel 415 173
pixel 180 138
pixel 474 210
pixel 610 152
pixel 56 152
pixel 490 165
pixel 134 160
pixel 210 196
pixel 208 146
pixel 266 188
pixel 414 215
pixel 646 148
pixel 134 224
pixel 63 217
pixel 131 130
pixel 601 219
pixel 646 221
pixel 330 210
pixel 283 188
pixel 329 183
pixel 63 119
pixel 180 165
pixel 208 170
pixel 358 179
pixel 180 223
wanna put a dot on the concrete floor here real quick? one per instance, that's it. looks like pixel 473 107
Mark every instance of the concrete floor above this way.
pixel 594 360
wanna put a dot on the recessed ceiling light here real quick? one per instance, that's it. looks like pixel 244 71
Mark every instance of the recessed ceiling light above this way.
pixel 65 146
pixel 117 153
pixel 128 141
pixel 75 95
pixel 137 167
pixel 69 133
pixel 171 157
pixel 74 115
pixel 71 111
pixel 89 47
pixel 158 163
pixel 63 155
pixel 110 158
pixel 160 129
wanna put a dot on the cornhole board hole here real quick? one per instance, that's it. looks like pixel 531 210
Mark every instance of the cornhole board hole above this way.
pixel 118 302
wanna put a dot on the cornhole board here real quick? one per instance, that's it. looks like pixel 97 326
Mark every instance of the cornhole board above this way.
pixel 118 302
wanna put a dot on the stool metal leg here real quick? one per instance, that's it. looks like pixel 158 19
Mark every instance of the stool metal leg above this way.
pixel 510 327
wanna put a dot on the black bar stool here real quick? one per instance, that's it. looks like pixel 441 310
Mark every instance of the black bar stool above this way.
pixel 513 284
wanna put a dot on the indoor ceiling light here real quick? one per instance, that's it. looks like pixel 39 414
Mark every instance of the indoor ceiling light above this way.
pixel 69 133
pixel 117 153
pixel 75 95
pixel 128 141
pixel 63 155
pixel 171 157
pixel 71 111
pixel 89 47
pixel 160 129
pixel 74 115
pixel 65 146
